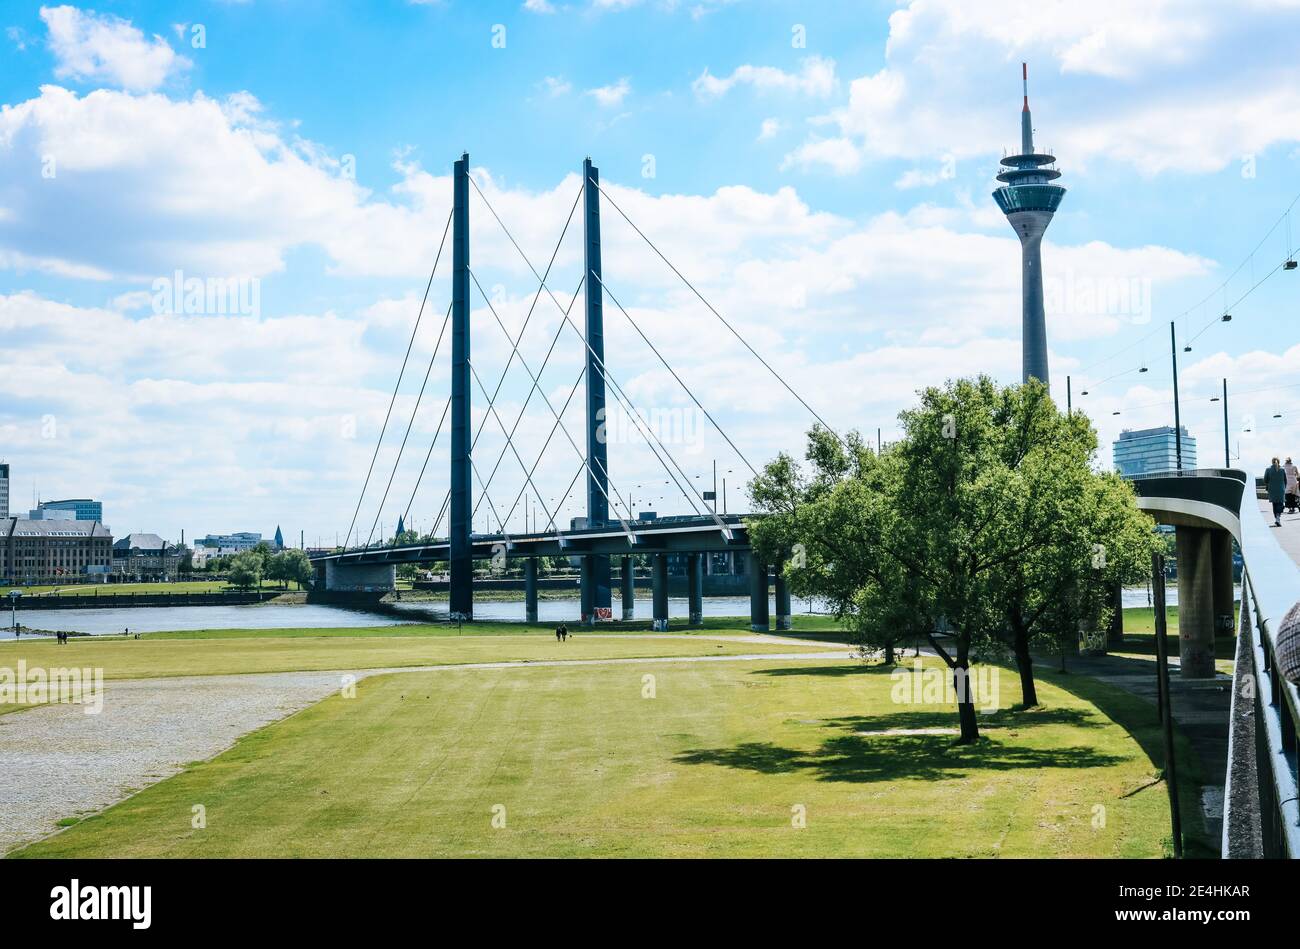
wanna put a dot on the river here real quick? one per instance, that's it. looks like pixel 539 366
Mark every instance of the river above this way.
pixel 102 622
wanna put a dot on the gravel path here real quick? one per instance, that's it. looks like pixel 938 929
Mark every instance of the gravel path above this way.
pixel 56 761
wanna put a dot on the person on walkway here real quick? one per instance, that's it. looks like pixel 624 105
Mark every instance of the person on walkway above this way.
pixel 1275 485
pixel 1292 485
pixel 564 632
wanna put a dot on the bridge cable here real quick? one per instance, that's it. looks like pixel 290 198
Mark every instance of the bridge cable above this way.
pixel 684 386
pixel 409 425
pixel 605 370
pixel 529 316
pixel 714 311
pixel 446 407
pixel 523 362
pixel 519 418
pixel 500 381
pixel 500 528
pixel 401 372
pixel 509 443
pixel 554 426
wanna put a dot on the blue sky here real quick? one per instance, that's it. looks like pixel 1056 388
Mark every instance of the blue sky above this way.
pixel 822 172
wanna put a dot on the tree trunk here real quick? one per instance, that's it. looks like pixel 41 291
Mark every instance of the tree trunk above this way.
pixel 1025 664
pixel 889 654
pixel 970 731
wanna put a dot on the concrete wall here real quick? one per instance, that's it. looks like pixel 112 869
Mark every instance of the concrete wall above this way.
pixel 359 578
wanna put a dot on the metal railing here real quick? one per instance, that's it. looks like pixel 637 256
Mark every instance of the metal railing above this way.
pixel 1277 717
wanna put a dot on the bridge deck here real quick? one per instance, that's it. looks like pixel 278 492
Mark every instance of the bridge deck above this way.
pixel 1288 535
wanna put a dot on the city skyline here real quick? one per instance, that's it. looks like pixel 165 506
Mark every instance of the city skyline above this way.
pixel 838 210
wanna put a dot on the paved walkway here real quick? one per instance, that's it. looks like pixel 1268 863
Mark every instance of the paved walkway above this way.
pixel 72 763
pixel 1288 535
pixel 1201 709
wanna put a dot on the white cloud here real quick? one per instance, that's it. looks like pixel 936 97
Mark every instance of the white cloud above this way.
pixel 769 129
pixel 538 6
pixel 816 78
pixel 90 47
pixel 556 85
pixel 838 154
pixel 611 96
pixel 1149 84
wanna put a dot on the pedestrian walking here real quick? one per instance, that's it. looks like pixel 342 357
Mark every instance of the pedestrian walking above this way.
pixel 1275 485
pixel 1292 486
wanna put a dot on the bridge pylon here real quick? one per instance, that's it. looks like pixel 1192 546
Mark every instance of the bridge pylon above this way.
pixel 595 586
pixel 460 554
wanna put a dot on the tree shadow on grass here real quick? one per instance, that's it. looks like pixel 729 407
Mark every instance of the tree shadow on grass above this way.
pixel 1137 716
pixel 835 670
pixel 859 760
pixel 1003 719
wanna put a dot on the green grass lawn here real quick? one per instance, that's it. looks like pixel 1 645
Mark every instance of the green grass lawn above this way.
pixel 1140 638
pixel 215 652
pixel 717 764
pixel 113 589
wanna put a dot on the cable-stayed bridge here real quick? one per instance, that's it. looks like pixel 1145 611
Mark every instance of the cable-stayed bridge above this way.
pixel 611 529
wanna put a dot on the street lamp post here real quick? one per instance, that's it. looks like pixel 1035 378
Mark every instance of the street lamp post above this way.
pixel 1227 456
pixel 13 607
pixel 1178 430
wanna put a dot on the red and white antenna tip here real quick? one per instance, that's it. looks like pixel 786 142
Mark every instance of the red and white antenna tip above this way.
pixel 1024 71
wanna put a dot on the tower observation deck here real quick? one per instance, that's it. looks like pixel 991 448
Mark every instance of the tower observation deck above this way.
pixel 1029 199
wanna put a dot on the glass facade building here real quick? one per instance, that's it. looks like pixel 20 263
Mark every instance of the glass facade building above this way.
pixel 1146 450
pixel 83 509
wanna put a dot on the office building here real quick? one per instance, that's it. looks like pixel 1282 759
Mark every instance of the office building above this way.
pixel 83 509
pixel 146 557
pixel 4 490
pixel 1143 451
pixel 52 550
pixel 239 542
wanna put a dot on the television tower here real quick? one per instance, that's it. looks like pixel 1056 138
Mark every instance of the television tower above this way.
pixel 1029 200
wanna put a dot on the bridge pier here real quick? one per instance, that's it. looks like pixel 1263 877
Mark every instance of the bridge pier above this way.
pixel 530 590
pixel 758 612
pixel 660 578
pixel 783 619
pixel 1195 602
pixel 1225 614
pixel 587 592
pixel 628 580
pixel 1115 633
pixel 695 589
pixel 359 578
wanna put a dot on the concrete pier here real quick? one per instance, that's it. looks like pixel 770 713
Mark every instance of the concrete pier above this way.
pixel 783 616
pixel 1225 617
pixel 1195 602
pixel 628 581
pixel 758 612
pixel 587 591
pixel 695 589
pixel 1115 632
pixel 530 589
pixel 359 578
pixel 660 574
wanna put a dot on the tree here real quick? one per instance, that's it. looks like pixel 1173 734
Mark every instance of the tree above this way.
pixel 814 525
pixel 970 531
pixel 295 565
pixel 274 569
pixel 246 570
pixel 1086 530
